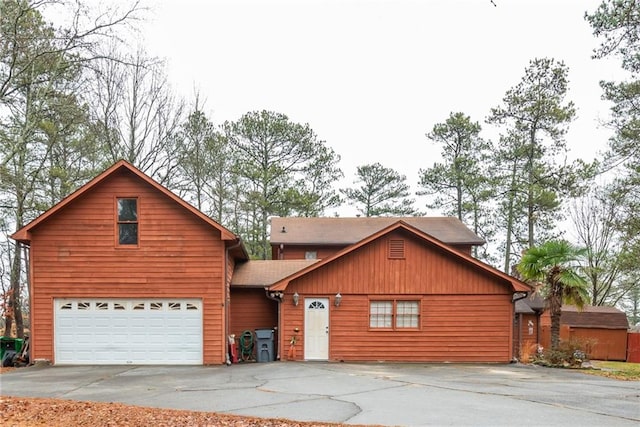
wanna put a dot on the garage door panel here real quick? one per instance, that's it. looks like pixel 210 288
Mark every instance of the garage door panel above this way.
pixel 136 331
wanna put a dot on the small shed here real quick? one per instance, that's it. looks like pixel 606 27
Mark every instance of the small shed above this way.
pixel 602 329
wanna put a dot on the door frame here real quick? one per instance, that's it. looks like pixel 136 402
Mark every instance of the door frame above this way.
pixel 325 350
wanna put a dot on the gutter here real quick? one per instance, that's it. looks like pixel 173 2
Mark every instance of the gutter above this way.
pixel 517 296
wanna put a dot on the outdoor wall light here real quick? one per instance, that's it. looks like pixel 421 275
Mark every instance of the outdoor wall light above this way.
pixel 338 300
pixel 296 299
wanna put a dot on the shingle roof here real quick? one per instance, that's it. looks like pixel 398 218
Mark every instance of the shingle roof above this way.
pixel 594 317
pixel 523 308
pixel 530 304
pixel 263 273
pixel 346 231
pixel 515 284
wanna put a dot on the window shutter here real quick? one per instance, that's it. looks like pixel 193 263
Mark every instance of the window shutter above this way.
pixel 396 248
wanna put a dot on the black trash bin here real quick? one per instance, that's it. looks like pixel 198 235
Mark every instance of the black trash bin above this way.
pixel 264 348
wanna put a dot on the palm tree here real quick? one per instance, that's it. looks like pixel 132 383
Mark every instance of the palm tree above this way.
pixel 554 265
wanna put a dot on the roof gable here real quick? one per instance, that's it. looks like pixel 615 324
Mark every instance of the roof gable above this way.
pixel 24 234
pixel 516 285
pixel 347 231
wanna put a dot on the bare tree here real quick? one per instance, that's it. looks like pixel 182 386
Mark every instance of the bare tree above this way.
pixel 136 114
pixel 594 218
pixel 40 112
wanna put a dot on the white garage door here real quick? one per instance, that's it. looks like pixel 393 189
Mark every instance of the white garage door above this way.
pixel 139 332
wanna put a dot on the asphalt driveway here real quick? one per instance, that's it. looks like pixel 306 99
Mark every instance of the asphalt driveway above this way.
pixel 388 394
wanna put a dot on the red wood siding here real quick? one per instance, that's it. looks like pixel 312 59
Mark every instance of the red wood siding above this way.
pixel 454 328
pixel 528 342
pixel 602 344
pixel 423 271
pixel 633 347
pixel 251 310
pixel 74 254
pixel 299 251
pixel 465 314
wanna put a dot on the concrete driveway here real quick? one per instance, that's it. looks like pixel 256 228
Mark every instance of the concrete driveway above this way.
pixel 388 394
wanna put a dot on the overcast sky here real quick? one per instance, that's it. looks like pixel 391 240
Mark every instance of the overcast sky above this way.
pixel 372 77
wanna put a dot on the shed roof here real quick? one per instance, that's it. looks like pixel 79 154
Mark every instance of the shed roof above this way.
pixel 516 285
pixel 346 231
pixel 263 273
pixel 594 317
pixel 24 234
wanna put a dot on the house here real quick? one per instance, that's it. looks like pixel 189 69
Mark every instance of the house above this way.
pixel 123 271
pixel 397 294
pixel 602 329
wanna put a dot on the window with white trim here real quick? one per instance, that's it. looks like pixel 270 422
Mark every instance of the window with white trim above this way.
pixel 407 314
pixel 380 314
pixel 393 314
pixel 127 221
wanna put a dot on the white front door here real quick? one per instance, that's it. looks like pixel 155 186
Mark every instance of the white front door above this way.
pixel 316 328
pixel 134 331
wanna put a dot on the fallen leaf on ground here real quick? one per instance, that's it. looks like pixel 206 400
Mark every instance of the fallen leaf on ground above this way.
pixel 29 412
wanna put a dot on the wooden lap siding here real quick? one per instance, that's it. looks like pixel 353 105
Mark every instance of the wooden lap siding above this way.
pixel 300 251
pixel 453 329
pixel 251 309
pixel 466 315
pixel 74 255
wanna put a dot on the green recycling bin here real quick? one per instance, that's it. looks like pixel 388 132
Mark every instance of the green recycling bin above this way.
pixel 9 343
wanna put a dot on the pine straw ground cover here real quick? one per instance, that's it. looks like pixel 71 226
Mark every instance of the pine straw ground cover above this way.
pixel 30 412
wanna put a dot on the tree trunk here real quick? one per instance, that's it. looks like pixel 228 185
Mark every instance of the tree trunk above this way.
pixel 510 215
pixel 530 191
pixel 13 311
pixel 555 309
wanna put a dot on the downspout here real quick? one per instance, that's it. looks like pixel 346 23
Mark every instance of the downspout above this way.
pixel 27 259
pixel 227 297
pixel 278 297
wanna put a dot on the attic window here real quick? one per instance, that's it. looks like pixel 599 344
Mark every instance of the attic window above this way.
pixel 396 248
pixel 127 221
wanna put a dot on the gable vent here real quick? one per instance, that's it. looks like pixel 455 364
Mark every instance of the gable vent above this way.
pixel 396 248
